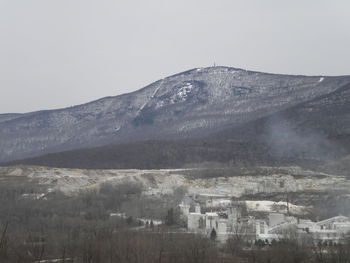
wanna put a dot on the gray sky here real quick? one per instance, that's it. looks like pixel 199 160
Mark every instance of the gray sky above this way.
pixel 59 53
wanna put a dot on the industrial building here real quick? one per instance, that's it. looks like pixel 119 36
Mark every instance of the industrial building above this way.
pixel 275 226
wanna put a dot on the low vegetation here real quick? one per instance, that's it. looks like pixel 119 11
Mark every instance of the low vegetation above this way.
pixel 57 228
pixel 166 154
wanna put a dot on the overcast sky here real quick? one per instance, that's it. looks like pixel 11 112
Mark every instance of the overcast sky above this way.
pixel 59 53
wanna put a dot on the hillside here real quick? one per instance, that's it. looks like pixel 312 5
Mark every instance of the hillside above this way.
pixel 9 116
pixel 195 104
pixel 316 129
pixel 160 155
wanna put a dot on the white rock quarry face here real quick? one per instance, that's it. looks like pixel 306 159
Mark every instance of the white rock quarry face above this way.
pixel 241 185
pixel 160 182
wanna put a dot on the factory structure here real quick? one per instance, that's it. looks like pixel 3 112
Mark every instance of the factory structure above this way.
pixel 232 220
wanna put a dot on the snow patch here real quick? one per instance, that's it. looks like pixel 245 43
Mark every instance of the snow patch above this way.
pixel 182 93
pixel 152 96
pixel 185 90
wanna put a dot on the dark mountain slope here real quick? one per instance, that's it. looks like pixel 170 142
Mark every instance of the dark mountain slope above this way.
pixel 303 134
pixel 163 155
pixel 317 129
pixel 340 166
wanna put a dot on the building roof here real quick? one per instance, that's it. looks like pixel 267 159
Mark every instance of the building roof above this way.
pixel 212 214
pixel 332 220
pixel 197 214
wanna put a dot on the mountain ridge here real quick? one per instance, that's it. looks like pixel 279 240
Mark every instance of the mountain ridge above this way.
pixel 174 75
pixel 190 104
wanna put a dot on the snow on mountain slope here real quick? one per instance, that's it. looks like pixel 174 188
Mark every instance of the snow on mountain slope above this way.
pixel 190 104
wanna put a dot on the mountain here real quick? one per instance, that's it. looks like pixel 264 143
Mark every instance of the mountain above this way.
pixel 319 128
pixel 9 116
pixel 215 102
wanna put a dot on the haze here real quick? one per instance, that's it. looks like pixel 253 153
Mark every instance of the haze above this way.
pixel 59 53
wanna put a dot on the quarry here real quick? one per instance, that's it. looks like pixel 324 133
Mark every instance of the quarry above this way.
pixel 158 182
pixel 264 189
pixel 254 206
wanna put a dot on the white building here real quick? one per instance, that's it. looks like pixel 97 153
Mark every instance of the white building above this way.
pixel 277 226
pixel 276 219
pixel 280 227
pixel 196 222
pixel 211 221
pixel 333 229
pixel 205 223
